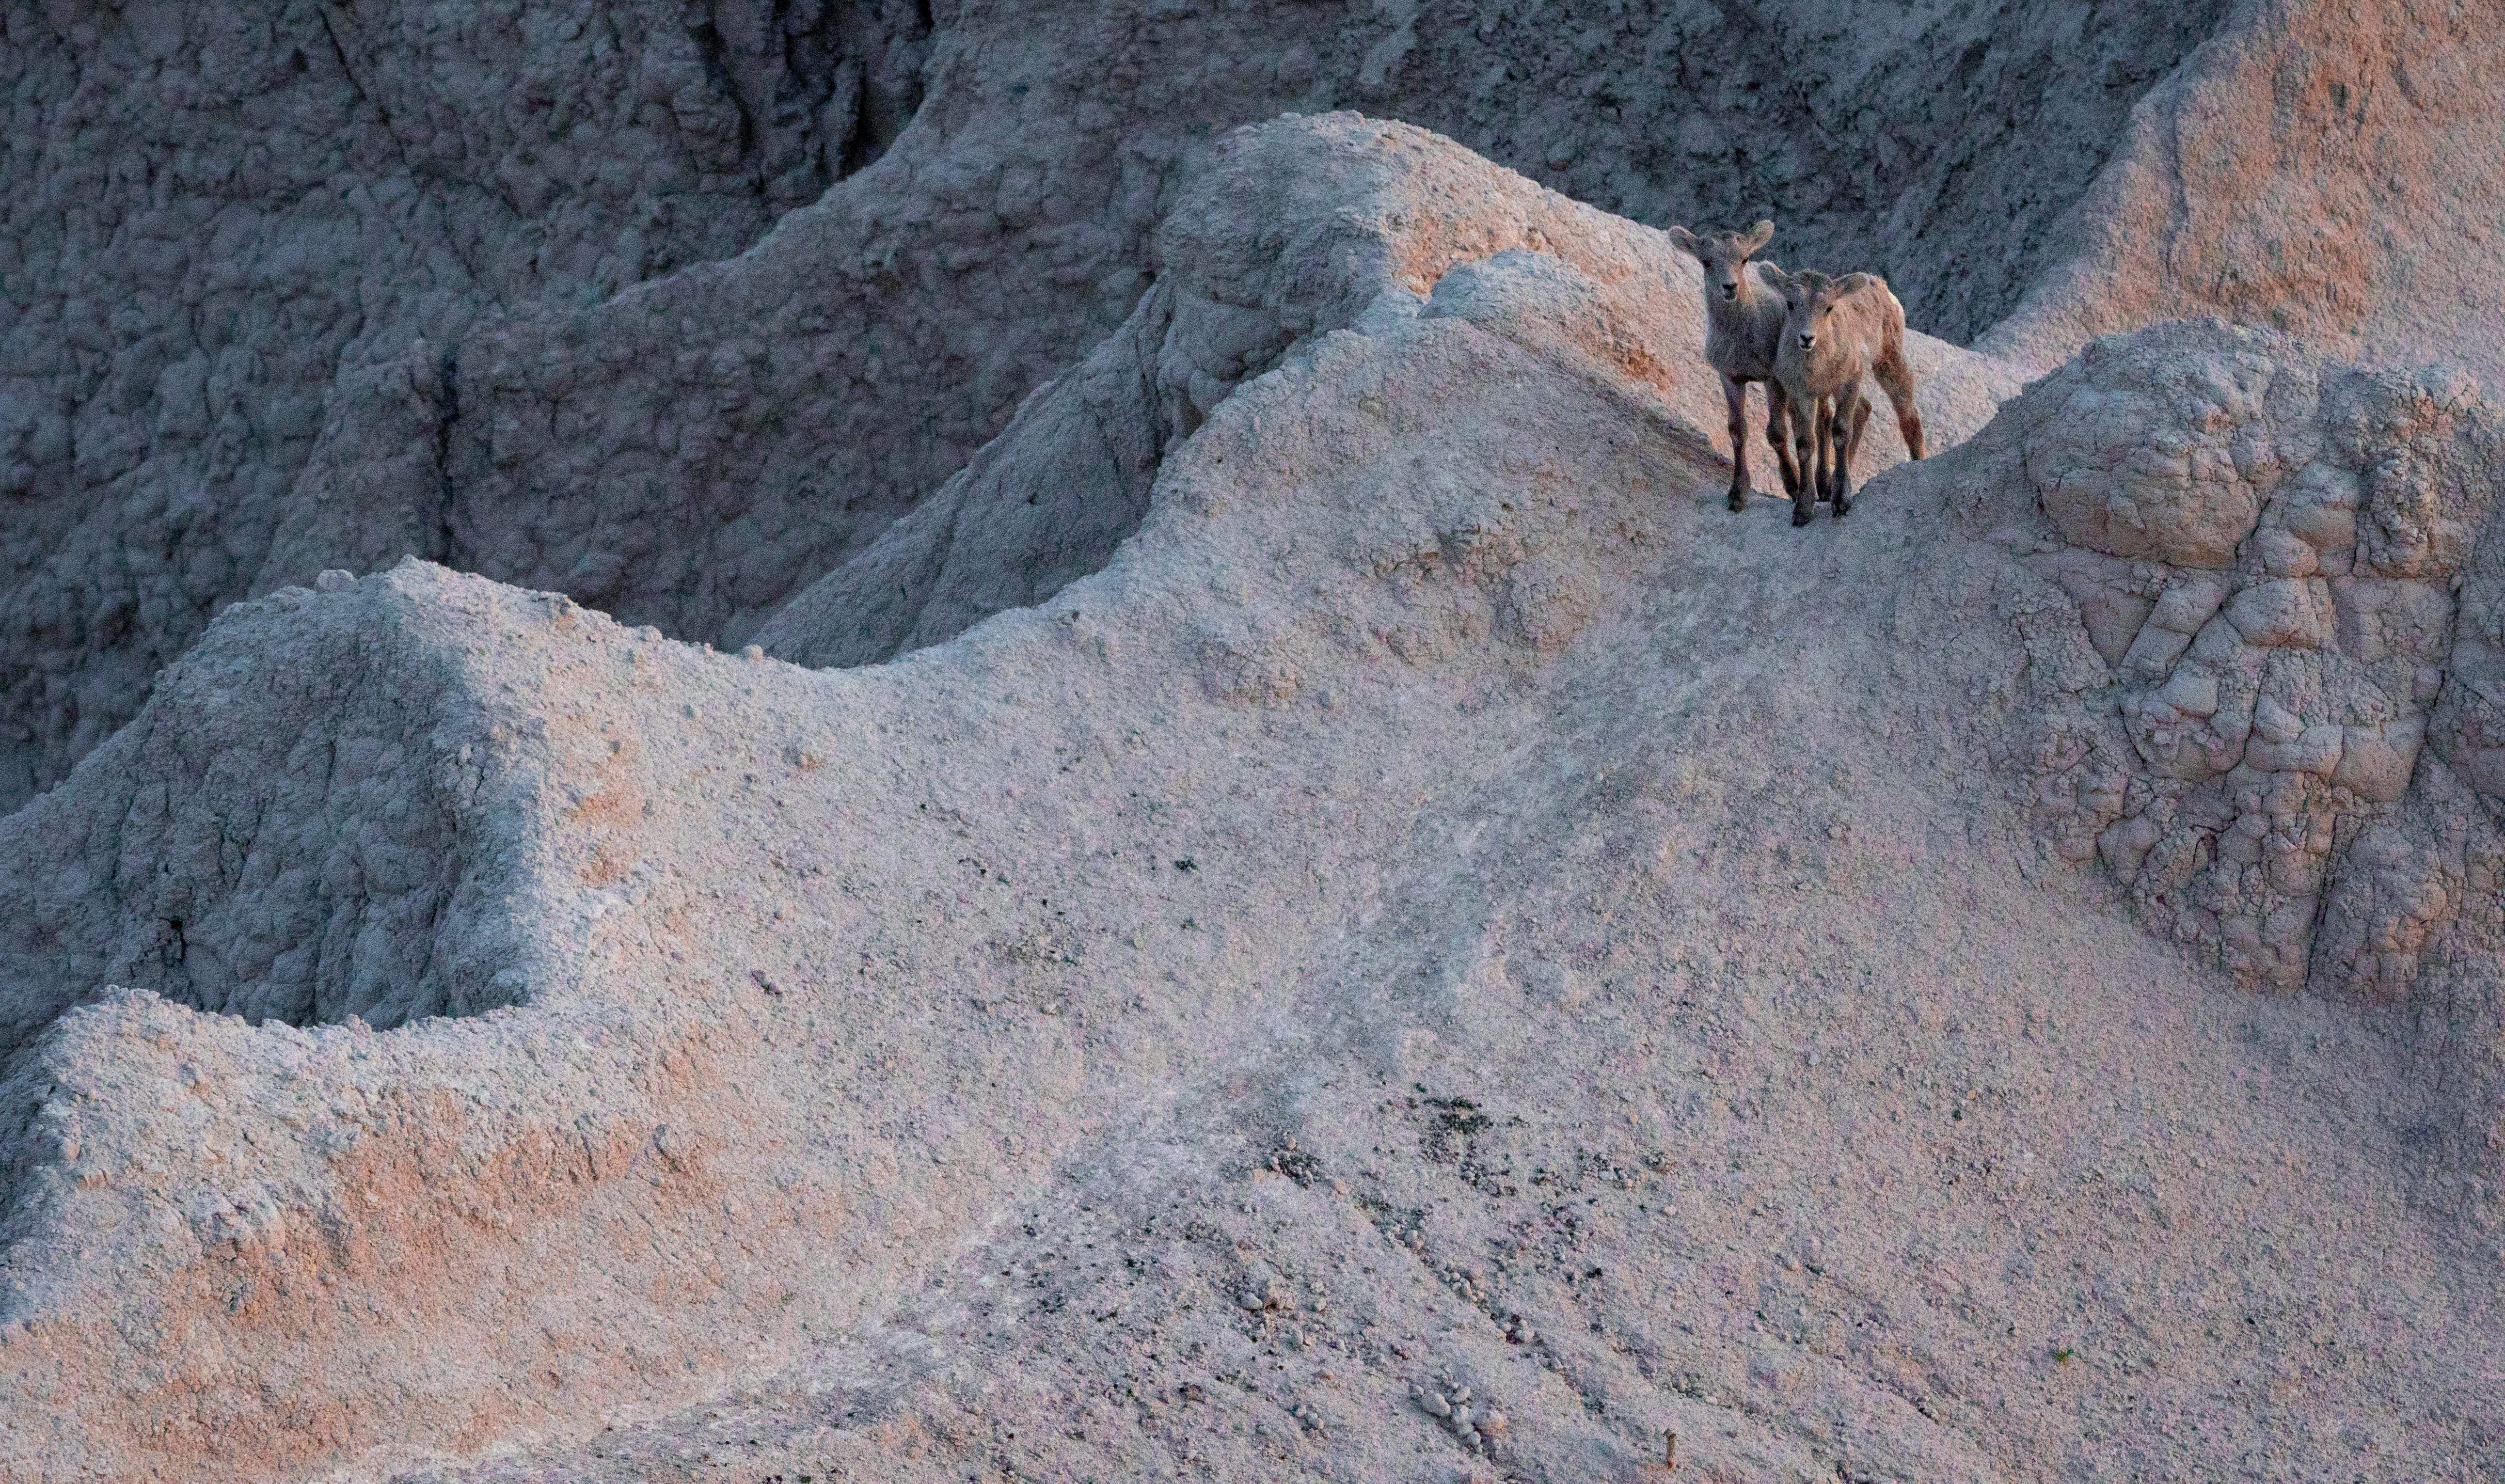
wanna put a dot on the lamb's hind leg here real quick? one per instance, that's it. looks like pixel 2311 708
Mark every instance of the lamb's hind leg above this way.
pixel 1898 379
pixel 1778 424
pixel 1735 395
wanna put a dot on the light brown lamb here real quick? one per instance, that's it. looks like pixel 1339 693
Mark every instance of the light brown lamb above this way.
pixel 1836 331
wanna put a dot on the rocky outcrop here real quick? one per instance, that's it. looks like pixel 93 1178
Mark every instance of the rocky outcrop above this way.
pixel 681 946
pixel 2256 638
pixel 2328 170
pixel 1363 925
pixel 1441 876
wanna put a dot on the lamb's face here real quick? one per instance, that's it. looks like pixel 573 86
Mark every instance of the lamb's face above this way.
pixel 1724 254
pixel 1725 259
pixel 1809 303
pixel 1807 299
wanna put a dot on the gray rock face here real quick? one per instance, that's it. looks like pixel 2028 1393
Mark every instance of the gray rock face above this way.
pixel 222 227
pixel 324 288
pixel 305 824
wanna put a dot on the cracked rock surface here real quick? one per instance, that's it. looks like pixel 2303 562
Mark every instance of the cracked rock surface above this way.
pixel 2254 641
pixel 1446 954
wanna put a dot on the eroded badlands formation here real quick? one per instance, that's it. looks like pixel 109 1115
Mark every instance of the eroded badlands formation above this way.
pixel 1263 883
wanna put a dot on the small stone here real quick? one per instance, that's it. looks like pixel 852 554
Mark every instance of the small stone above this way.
pixel 2278 612
pixel 752 651
pixel 2191 692
pixel 2274 721
pixel 333 579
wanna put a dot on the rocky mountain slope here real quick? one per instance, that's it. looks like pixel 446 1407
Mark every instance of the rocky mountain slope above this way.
pixel 295 289
pixel 1277 886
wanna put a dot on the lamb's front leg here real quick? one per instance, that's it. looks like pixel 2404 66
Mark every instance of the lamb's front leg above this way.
pixel 1735 395
pixel 1820 421
pixel 1779 433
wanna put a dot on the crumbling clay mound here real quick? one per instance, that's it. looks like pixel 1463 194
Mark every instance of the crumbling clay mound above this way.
pixel 1265 883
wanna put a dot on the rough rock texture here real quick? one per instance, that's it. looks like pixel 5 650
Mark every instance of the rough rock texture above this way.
pixel 2325 168
pixel 755 423
pixel 2244 622
pixel 1367 227
pixel 326 286
pixel 220 225
pixel 1449 955
pixel 338 872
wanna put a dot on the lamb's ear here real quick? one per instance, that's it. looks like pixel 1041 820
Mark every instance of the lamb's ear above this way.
pixel 1774 276
pixel 1758 236
pixel 1684 240
pixel 1852 283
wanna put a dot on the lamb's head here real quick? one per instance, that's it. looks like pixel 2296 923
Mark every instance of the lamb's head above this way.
pixel 1810 298
pixel 1724 254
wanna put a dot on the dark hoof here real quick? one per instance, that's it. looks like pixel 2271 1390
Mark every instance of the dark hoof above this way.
pixel 1843 506
pixel 1739 500
pixel 1800 515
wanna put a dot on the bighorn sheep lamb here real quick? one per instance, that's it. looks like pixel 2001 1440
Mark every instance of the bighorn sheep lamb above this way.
pixel 1837 330
pixel 1743 322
